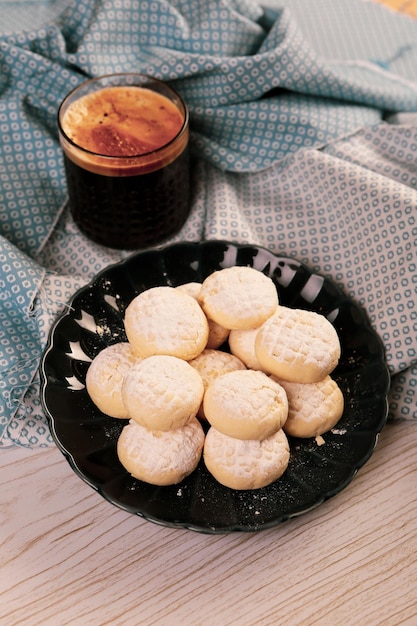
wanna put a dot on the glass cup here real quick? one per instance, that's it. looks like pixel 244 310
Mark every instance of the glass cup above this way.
pixel 125 144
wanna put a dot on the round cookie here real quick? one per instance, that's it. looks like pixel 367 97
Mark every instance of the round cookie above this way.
pixel 297 345
pixel 242 345
pixel 313 408
pixel 160 458
pixel 238 297
pixel 249 464
pixel 217 334
pixel 211 364
pixel 245 404
pixel 105 377
pixel 165 320
pixel 162 392
pixel 192 289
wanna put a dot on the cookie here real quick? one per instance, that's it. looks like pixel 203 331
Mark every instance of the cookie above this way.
pixel 245 404
pixel 217 334
pixel 297 345
pixel 165 320
pixel 246 464
pixel 162 392
pixel 158 457
pixel 313 408
pixel 242 345
pixel 211 364
pixel 238 297
pixel 192 289
pixel 105 377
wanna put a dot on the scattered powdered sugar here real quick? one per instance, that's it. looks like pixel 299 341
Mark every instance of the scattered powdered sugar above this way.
pixel 339 431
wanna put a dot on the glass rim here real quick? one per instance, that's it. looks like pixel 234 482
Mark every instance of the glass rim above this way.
pixel 130 157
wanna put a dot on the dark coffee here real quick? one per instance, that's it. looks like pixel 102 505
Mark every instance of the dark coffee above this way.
pixel 126 160
pixel 127 212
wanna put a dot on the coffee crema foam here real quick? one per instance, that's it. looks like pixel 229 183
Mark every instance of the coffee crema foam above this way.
pixel 122 123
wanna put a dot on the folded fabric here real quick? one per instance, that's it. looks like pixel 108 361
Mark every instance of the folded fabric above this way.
pixel 292 151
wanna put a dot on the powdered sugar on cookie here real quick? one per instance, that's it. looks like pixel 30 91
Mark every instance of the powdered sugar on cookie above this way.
pixel 297 345
pixel 245 404
pixel 105 378
pixel 162 392
pixel 160 458
pixel 165 320
pixel 314 408
pixel 238 297
pixel 246 464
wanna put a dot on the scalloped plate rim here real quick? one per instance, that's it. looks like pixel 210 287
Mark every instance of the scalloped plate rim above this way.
pixel 209 528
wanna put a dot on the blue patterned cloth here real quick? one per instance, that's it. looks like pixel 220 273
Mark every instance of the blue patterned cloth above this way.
pixel 304 135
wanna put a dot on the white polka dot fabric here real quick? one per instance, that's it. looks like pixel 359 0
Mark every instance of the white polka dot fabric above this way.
pixel 295 149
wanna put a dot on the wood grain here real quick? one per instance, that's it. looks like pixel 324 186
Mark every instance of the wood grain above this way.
pixel 69 557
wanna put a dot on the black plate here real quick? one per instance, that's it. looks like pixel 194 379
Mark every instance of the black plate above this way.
pixel 88 438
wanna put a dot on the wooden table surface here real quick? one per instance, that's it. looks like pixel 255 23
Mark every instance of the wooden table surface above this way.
pixel 70 557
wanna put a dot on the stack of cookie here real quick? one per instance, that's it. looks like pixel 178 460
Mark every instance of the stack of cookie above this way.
pixel 289 354
pixel 245 447
pixel 171 376
pixel 299 349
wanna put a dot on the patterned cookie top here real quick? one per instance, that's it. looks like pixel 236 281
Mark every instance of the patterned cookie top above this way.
pixel 162 392
pixel 297 345
pixel 313 408
pixel 160 458
pixel 246 464
pixel 165 320
pixel 245 404
pixel 211 364
pixel 105 377
pixel 238 297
